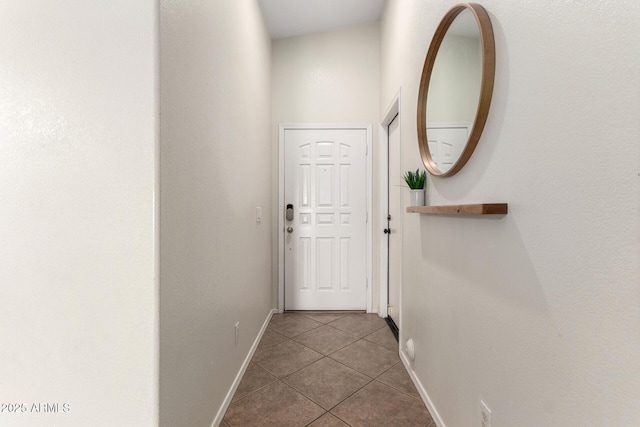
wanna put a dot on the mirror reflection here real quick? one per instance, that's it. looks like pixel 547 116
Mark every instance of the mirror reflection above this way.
pixel 454 91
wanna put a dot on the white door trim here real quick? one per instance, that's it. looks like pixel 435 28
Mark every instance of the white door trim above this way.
pixel 390 114
pixel 280 207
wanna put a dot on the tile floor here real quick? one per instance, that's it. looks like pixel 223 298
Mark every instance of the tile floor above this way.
pixel 324 370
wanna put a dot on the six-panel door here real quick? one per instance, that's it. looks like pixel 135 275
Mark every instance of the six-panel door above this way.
pixel 325 242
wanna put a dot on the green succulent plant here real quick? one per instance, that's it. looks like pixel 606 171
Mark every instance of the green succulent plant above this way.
pixel 415 180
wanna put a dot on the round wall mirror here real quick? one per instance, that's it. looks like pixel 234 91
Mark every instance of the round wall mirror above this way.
pixel 455 89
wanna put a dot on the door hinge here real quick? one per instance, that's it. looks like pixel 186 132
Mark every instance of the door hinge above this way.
pixel 389 310
pixel 366 149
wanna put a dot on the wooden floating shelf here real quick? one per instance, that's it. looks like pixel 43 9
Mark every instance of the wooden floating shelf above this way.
pixel 474 209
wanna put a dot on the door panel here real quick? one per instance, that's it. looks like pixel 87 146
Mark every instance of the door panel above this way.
pixel 325 243
pixel 446 143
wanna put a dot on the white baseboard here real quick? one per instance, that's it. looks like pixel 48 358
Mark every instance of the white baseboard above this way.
pixel 236 382
pixel 423 393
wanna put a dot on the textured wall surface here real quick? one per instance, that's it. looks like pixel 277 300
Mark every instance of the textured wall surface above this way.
pixel 77 174
pixel 215 169
pixel 537 313
pixel 330 77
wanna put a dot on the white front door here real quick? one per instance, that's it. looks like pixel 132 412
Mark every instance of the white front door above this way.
pixel 325 234
pixel 446 143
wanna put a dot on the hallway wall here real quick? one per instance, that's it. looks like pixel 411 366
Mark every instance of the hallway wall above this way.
pixel 330 77
pixel 536 313
pixel 215 170
pixel 78 117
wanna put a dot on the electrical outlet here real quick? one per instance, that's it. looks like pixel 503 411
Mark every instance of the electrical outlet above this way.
pixel 237 331
pixel 485 415
pixel 258 215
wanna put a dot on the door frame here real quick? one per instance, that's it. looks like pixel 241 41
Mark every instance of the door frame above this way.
pixel 392 111
pixel 280 211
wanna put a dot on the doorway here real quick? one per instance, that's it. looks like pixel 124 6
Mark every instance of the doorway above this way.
pixel 391 185
pixel 324 204
pixel 394 216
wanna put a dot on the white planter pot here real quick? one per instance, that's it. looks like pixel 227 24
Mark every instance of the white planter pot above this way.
pixel 416 197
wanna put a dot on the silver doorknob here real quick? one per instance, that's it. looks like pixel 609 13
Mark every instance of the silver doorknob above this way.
pixel 289 229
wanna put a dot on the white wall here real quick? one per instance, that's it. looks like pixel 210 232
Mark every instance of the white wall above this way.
pixel 77 168
pixel 537 312
pixel 330 77
pixel 215 170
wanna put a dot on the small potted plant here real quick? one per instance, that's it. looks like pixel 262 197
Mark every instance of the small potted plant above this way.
pixel 415 181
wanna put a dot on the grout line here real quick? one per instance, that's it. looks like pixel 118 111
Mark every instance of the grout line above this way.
pixel 327 356
pixel 306 366
pixel 344 420
pixel 334 351
pixel 263 367
pixel 388 369
pixel 316 419
pixel 403 392
pixel 254 391
pixel 350 367
pixel 355 391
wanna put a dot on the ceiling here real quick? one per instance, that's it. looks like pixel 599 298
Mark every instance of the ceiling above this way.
pixel 289 18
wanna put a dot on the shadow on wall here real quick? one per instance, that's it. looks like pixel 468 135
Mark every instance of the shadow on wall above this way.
pixel 474 252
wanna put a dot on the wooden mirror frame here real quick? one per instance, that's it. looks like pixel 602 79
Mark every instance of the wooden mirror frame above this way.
pixel 486 86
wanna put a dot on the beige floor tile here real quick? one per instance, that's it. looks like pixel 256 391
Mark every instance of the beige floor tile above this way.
pixel 292 324
pixel 292 349
pixel 324 317
pixel 325 339
pixel 327 382
pixel 254 378
pixel 328 420
pixel 398 378
pixel 366 357
pixel 285 358
pixel 271 338
pixel 385 338
pixel 359 325
pixel 380 405
pixel 274 405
